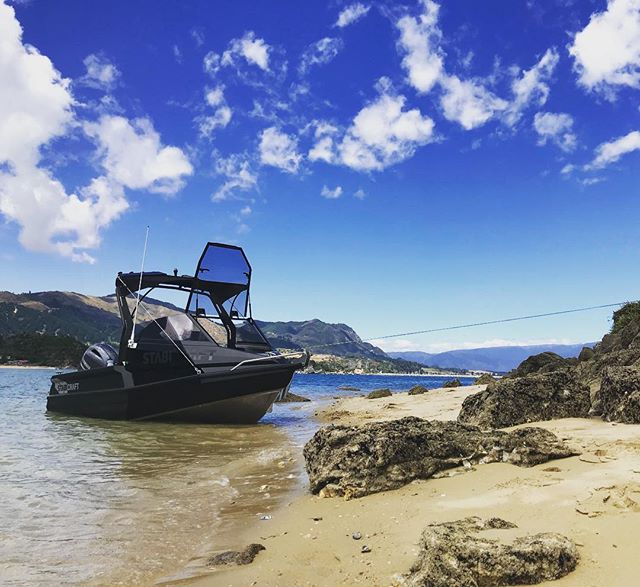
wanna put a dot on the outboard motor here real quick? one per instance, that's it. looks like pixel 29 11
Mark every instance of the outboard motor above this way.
pixel 98 356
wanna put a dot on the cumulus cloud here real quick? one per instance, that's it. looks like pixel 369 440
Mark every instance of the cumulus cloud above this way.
pixel 35 108
pixel 331 194
pixel 420 42
pixel 239 177
pixel 469 103
pixel 221 116
pixel 280 150
pixel 253 50
pixel 351 14
pixel 320 53
pixel 611 151
pixel 531 87
pixel 555 128
pixel 383 133
pixel 101 73
pixel 607 51
pixel 360 194
pixel 324 147
pixel 132 154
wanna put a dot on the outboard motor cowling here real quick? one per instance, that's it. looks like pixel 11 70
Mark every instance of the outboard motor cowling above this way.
pixel 98 356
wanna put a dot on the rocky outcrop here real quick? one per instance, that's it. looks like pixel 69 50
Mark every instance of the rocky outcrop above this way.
pixel 456 554
pixel 236 557
pixel 353 461
pixel 378 393
pixel 452 383
pixel 484 379
pixel 542 363
pixel 417 390
pixel 527 399
pixel 619 395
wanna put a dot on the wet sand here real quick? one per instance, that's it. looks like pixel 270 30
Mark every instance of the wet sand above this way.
pixel 593 498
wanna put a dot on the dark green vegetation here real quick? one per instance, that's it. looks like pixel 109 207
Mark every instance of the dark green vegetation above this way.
pixel 628 313
pixel 334 364
pixel 40 349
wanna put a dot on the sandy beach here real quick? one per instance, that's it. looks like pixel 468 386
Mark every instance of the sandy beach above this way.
pixel 593 498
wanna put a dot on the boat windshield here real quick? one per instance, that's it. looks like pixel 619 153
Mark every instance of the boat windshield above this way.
pixel 226 264
pixel 177 327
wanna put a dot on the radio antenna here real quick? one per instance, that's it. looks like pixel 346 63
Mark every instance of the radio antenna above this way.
pixel 132 343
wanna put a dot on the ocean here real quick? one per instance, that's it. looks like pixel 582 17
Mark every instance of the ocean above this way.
pixel 93 502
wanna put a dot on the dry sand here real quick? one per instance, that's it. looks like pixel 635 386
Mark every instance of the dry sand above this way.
pixel 593 498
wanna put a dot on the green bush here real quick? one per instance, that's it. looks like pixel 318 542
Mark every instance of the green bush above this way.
pixel 628 313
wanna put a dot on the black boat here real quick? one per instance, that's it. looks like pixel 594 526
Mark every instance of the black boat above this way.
pixel 205 362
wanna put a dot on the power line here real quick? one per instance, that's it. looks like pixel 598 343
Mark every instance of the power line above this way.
pixel 471 325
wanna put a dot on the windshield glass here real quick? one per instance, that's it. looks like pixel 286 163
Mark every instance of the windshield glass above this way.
pixel 226 264
pixel 177 327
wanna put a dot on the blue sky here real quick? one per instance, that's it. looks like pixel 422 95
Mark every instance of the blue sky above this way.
pixel 395 166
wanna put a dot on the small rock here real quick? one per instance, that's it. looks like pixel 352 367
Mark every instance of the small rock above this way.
pixel 452 383
pixel 348 388
pixel 236 557
pixel 267 517
pixel 365 548
pixel 378 393
pixel 417 390
pixel 356 536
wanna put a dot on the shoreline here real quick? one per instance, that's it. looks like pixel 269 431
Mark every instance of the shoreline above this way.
pixel 593 498
pixel 32 367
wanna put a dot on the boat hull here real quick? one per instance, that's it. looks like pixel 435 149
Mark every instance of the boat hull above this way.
pixel 229 398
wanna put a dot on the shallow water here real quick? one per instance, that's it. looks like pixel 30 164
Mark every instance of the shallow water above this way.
pixel 95 502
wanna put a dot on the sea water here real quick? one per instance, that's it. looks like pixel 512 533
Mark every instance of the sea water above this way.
pixel 95 502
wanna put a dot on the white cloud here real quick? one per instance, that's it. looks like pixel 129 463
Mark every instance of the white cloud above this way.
pixel 35 108
pixel 331 194
pixel 557 128
pixel 360 194
pixel 405 344
pixel 610 152
pixel 382 134
pixel 320 53
pixel 351 14
pixel 208 123
pixel 245 211
pixel 255 51
pixel 133 155
pixel 238 173
pixel 419 40
pixel 280 150
pixel 101 73
pixel 468 102
pixel 323 148
pixel 607 50
pixel 531 87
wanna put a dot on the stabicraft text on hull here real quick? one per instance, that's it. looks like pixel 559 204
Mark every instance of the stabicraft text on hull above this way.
pixel 205 362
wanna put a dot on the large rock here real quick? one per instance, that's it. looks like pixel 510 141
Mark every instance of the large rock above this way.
pixel 353 461
pixel 484 379
pixel 533 398
pixel 417 390
pixel 619 396
pixel 542 363
pixel 455 554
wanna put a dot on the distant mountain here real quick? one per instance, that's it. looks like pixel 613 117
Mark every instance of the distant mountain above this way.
pixel 320 337
pixel 92 319
pixel 498 359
